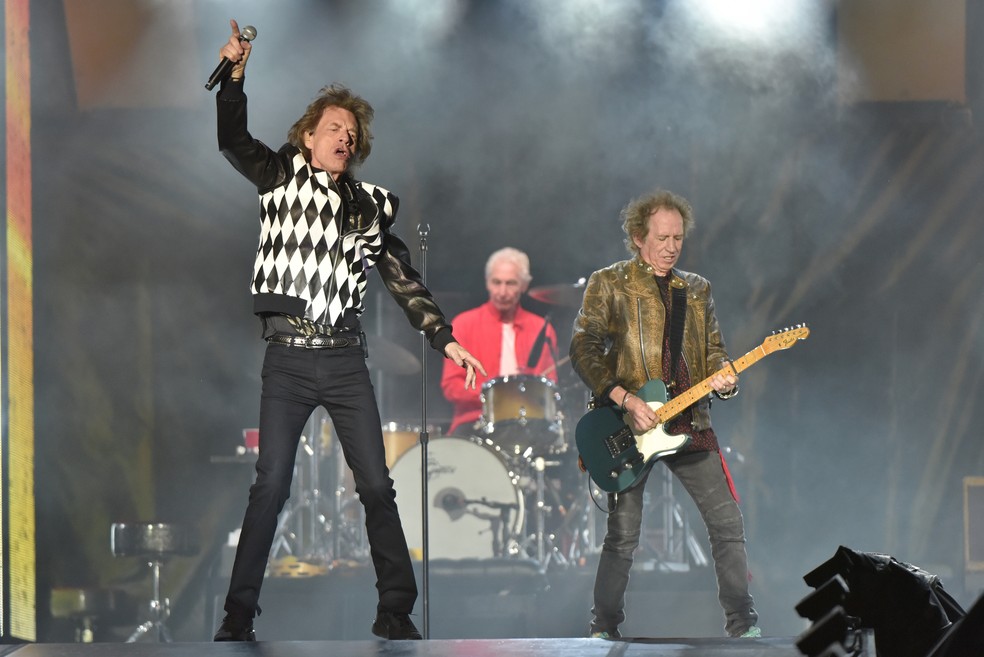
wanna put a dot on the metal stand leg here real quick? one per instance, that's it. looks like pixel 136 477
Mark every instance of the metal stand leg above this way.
pixel 579 525
pixel 538 466
pixel 312 527
pixel 160 610
pixel 543 543
pixel 676 538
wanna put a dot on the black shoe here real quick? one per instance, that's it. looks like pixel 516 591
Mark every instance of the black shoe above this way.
pixel 394 626
pixel 235 629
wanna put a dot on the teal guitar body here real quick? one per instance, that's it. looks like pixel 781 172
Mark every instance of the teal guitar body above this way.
pixel 616 457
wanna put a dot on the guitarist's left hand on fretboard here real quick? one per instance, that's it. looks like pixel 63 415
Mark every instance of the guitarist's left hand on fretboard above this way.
pixel 723 381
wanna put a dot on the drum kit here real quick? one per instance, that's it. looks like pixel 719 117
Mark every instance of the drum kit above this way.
pixel 510 488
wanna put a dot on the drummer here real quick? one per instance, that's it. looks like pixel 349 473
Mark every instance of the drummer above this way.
pixel 503 335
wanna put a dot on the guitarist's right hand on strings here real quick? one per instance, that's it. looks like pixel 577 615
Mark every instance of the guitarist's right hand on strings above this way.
pixel 638 414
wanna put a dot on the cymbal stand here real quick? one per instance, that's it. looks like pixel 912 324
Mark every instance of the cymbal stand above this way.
pixel 579 521
pixel 539 510
pixel 303 525
pixel 348 537
pixel 672 549
pixel 579 525
pixel 544 545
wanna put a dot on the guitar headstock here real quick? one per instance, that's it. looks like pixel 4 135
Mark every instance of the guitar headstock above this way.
pixel 785 338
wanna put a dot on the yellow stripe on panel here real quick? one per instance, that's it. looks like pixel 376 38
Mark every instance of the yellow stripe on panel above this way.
pixel 20 541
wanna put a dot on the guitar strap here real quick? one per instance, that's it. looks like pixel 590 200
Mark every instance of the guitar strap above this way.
pixel 678 316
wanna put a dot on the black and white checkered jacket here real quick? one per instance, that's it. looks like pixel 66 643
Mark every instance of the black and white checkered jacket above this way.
pixel 320 238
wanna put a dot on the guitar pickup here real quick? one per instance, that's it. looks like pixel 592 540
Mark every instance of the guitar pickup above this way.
pixel 620 441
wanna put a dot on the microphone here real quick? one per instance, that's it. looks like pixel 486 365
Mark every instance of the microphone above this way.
pixel 222 71
pixel 537 349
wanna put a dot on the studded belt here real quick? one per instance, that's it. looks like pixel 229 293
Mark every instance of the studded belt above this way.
pixel 316 341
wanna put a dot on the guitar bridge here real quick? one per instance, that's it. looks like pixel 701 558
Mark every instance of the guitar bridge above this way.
pixel 620 441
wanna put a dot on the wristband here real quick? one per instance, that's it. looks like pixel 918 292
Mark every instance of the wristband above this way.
pixel 625 398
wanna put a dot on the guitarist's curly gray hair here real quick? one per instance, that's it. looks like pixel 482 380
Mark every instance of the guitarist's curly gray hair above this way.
pixel 635 215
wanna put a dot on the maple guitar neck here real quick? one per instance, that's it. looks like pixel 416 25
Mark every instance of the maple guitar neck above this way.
pixel 679 403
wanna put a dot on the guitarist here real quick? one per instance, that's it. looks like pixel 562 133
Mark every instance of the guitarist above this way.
pixel 643 319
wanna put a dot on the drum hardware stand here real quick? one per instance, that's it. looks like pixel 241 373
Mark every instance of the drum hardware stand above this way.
pixel 538 465
pixel 155 542
pixel 579 519
pixel 295 532
pixel 348 539
pixel 306 535
pixel 503 544
pixel 546 549
pixel 672 550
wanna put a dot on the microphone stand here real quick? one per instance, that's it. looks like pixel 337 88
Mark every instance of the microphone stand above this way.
pixel 422 231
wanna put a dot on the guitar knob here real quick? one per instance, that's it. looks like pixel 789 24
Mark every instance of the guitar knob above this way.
pixel 613 474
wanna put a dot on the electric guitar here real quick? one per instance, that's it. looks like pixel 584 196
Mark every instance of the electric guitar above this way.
pixel 616 457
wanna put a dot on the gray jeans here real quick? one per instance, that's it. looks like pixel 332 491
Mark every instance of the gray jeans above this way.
pixel 702 474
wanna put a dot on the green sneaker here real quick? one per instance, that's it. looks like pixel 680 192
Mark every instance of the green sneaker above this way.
pixel 606 635
pixel 751 633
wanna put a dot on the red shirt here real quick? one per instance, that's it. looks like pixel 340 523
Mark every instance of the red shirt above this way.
pixel 479 330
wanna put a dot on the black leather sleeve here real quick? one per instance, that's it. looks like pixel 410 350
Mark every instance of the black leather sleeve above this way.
pixel 407 287
pixel 261 165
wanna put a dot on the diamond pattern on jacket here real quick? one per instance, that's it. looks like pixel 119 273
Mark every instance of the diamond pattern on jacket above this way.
pixel 298 253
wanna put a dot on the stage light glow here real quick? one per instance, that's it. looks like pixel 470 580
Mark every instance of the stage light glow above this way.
pixel 756 20
pixel 755 17
pixel 433 18
pixel 586 29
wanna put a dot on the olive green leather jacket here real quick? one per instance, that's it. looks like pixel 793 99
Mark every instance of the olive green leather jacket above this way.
pixel 618 333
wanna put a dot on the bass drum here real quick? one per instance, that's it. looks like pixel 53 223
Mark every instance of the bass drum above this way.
pixel 475 505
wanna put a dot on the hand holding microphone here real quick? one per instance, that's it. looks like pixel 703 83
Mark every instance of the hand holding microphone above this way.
pixel 234 54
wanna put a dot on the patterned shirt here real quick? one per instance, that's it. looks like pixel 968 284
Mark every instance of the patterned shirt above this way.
pixel 704 440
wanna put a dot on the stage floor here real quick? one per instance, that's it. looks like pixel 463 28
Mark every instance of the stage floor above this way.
pixel 766 647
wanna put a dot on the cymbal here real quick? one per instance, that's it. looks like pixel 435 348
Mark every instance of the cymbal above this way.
pixel 391 358
pixel 560 295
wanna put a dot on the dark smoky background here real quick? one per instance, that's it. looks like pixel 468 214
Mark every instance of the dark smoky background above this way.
pixel 519 124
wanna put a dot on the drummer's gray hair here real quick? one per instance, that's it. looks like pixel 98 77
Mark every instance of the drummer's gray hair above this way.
pixel 515 256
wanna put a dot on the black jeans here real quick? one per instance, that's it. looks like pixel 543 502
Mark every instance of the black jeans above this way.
pixel 295 382
pixel 702 474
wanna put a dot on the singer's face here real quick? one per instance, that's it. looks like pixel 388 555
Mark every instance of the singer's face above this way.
pixel 332 143
pixel 505 285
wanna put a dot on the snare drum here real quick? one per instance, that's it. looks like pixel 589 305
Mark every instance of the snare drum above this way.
pixel 475 507
pixel 520 412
